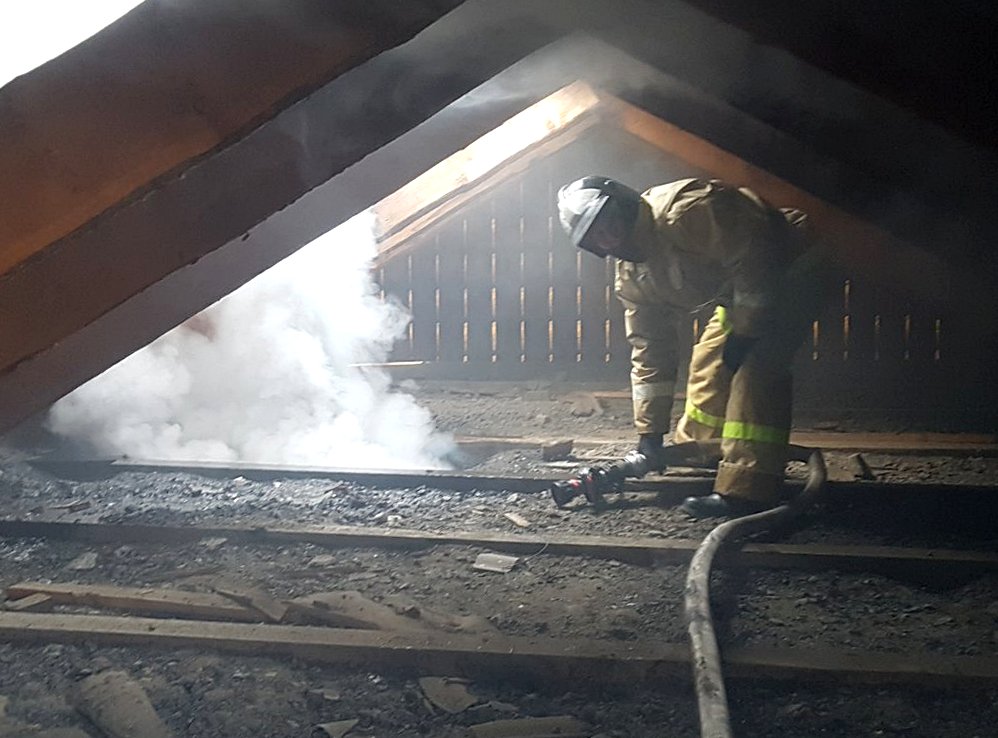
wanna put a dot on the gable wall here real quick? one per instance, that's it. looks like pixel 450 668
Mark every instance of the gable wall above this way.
pixel 496 292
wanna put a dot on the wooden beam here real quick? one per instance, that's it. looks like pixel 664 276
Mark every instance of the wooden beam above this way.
pixel 544 659
pixel 139 599
pixel 859 245
pixel 899 443
pixel 198 77
pixel 640 551
pixel 31 603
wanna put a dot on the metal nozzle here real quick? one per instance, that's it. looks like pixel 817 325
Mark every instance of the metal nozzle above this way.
pixel 595 481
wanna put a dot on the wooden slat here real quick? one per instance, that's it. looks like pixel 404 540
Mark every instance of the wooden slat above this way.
pixel 395 283
pixel 508 249
pixel 889 339
pixel 536 210
pixel 858 304
pixel 833 345
pixel 450 245
pixel 551 660
pixel 620 349
pixel 31 603
pixel 642 551
pixel 594 309
pixel 424 312
pixel 478 281
pixel 430 652
pixel 270 609
pixel 565 281
pixel 138 599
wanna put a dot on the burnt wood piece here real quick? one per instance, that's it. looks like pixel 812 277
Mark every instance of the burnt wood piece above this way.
pixel 139 599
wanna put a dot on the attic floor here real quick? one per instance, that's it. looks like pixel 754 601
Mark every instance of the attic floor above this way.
pixel 211 695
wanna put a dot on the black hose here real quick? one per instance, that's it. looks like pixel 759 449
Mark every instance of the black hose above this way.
pixel 706 656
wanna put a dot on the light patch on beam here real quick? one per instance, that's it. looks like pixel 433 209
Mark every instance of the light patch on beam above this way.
pixel 567 109
pixel 34 31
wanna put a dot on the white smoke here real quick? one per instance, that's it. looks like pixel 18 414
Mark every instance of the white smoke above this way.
pixel 268 375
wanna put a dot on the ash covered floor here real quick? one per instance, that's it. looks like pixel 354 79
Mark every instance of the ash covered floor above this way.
pixel 214 695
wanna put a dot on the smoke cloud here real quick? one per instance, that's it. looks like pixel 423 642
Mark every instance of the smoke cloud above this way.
pixel 268 375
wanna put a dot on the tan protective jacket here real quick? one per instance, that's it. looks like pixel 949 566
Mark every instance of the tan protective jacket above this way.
pixel 703 242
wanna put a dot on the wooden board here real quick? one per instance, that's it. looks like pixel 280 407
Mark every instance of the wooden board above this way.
pixel 32 603
pixel 394 280
pixel 643 551
pixel 450 281
pixel 544 659
pixel 536 266
pixel 478 281
pixel 594 308
pixel 266 607
pixel 350 609
pixel 138 599
pixel 423 283
pixel 507 246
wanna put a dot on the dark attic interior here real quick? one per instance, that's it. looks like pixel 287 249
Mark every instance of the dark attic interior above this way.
pixel 501 369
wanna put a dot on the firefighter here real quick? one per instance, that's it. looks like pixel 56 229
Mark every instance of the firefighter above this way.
pixel 683 246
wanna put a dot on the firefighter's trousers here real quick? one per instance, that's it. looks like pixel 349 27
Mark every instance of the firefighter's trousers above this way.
pixel 749 410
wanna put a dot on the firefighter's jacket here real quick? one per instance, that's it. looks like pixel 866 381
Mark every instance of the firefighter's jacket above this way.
pixel 703 242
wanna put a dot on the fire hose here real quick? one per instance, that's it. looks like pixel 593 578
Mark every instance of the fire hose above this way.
pixel 708 675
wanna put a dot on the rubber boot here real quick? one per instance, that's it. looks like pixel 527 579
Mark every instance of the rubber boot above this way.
pixel 720 506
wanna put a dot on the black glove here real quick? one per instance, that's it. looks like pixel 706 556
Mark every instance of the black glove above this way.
pixel 650 446
pixel 736 348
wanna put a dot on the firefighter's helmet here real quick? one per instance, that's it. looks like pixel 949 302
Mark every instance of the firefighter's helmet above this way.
pixel 581 201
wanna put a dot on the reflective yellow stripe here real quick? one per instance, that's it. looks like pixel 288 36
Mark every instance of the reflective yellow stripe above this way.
pixel 695 413
pixel 750 432
pixel 722 315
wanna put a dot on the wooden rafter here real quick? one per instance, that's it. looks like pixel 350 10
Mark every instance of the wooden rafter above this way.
pixel 538 131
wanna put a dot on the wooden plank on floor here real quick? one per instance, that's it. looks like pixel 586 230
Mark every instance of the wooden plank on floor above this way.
pixel 32 603
pixel 267 608
pixel 546 659
pixel 138 599
pixel 641 551
pixel 862 666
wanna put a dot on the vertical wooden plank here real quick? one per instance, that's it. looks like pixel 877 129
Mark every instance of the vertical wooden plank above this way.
pixel 395 283
pixel 450 281
pixel 889 328
pixel 821 365
pixel 836 324
pixel 536 254
pixel 508 255
pixel 594 311
pixel 858 322
pixel 563 296
pixel 478 282
pixel 423 287
pixel 890 349
pixel 620 349
pixel 919 334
